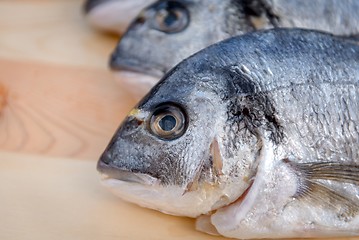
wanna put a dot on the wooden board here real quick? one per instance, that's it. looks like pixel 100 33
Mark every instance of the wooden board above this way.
pixel 57 95
pixel 52 31
pixel 47 198
pixel 57 110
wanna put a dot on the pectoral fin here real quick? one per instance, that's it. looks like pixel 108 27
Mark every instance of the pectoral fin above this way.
pixel 313 189
pixel 317 193
pixel 339 172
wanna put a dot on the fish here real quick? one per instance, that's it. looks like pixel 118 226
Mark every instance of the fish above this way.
pixel 168 31
pixel 113 16
pixel 256 136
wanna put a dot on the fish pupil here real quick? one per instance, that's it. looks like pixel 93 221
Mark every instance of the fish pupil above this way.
pixel 170 19
pixel 167 123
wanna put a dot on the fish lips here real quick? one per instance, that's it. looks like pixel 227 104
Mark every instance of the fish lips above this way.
pixel 120 61
pixel 109 171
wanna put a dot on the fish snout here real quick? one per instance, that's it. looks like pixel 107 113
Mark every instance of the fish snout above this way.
pixel 103 163
pixel 109 171
pixel 120 60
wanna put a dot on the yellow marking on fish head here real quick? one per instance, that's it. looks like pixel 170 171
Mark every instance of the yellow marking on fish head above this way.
pixel 139 114
pixel 134 112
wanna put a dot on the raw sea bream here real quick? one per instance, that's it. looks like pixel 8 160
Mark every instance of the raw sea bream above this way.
pixel 256 137
pixel 167 32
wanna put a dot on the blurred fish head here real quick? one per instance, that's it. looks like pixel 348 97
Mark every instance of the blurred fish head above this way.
pixel 166 32
pixel 170 153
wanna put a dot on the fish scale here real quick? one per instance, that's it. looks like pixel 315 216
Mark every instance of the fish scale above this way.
pixel 320 126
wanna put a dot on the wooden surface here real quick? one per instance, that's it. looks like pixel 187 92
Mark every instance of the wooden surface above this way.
pixel 57 96
pixel 59 106
pixel 51 31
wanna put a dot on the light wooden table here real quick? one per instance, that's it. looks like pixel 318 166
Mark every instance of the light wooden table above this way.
pixel 59 107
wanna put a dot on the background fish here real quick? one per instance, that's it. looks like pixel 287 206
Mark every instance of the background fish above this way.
pixel 113 15
pixel 257 136
pixel 170 30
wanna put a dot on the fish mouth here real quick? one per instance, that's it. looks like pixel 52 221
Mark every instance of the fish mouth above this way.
pixel 118 63
pixel 109 171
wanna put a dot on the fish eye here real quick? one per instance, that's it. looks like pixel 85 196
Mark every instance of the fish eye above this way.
pixel 170 17
pixel 168 122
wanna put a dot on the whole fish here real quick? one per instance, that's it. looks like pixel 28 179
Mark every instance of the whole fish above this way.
pixel 170 30
pixel 256 136
pixel 113 15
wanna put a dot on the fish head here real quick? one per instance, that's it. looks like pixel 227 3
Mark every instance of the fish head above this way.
pixel 165 33
pixel 168 154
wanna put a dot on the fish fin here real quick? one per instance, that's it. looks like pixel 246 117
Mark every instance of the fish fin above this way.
pixel 312 190
pixel 334 171
pixel 345 208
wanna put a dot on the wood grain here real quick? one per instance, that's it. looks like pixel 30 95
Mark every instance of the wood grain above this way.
pixel 57 96
pixel 58 111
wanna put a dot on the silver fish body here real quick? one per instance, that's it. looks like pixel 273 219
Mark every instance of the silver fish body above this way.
pixel 169 31
pixel 256 136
